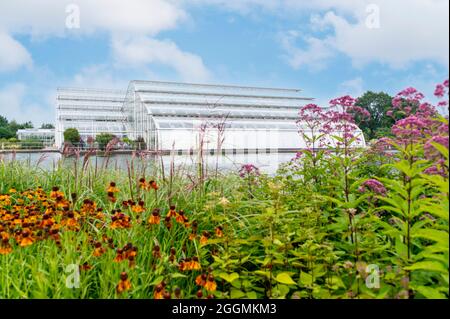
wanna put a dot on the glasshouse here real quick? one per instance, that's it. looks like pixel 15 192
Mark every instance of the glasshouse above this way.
pixel 90 111
pixel 46 136
pixel 185 116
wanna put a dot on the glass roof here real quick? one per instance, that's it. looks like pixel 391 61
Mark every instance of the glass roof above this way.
pixel 220 112
pixel 171 123
pixel 217 100
pixel 142 86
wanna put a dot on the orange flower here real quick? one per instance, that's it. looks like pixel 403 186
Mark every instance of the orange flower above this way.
pixel 143 184
pixel 219 231
pixel 99 250
pixel 172 212
pixel 112 188
pixel 204 238
pixel 119 257
pixel 201 280
pixel 85 266
pixel 181 218
pixel 153 185
pixel 5 247
pixel 192 236
pixel 211 283
pixel 25 239
pixel 154 218
pixel 5 250
pixel 195 265
pixel 138 208
pixel 55 193
pixel 111 197
pixel 124 283
pixel 159 292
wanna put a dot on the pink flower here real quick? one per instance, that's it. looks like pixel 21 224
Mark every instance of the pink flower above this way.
pixel 374 186
pixel 409 128
pixel 248 170
pixel 346 101
pixel 439 91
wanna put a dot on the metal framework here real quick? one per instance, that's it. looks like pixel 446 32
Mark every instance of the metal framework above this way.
pixel 46 136
pixel 90 111
pixel 186 116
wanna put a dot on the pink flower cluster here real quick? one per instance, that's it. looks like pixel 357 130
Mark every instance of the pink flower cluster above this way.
pixel 441 92
pixel 407 100
pixel 441 89
pixel 411 127
pixel 374 186
pixel 313 124
pixel 248 170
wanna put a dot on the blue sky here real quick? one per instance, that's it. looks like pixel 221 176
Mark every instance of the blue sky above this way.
pixel 325 47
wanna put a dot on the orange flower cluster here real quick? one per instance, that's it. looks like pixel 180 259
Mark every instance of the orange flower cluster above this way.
pixel 34 215
pixel 189 264
pixel 120 220
pixel 144 185
pixel 161 292
pixel 139 208
pixel 207 281
pixel 129 253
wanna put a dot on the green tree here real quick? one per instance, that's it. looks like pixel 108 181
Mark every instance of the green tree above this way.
pixel 47 126
pixel 103 139
pixel 14 126
pixel 5 132
pixel 377 104
pixel 3 121
pixel 72 135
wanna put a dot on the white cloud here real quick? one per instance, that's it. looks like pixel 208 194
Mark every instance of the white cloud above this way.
pixel 142 19
pixel 96 76
pixel 139 51
pixel 48 17
pixel 12 54
pixel 14 106
pixel 353 87
pixel 409 32
pixel 314 56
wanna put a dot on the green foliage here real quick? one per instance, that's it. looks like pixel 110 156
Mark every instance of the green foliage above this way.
pixel 6 133
pixel 72 135
pixel 103 139
pixel 9 129
pixel 379 124
pixel 47 126
pixel 310 231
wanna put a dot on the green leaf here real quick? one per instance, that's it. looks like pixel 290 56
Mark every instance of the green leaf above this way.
pixel 432 234
pixel 262 273
pixel 428 266
pixel 252 295
pixel 401 248
pixel 157 280
pixel 229 277
pixel 430 293
pixel 177 275
pixel 306 279
pixel 441 148
pixel 236 294
pixel 285 278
